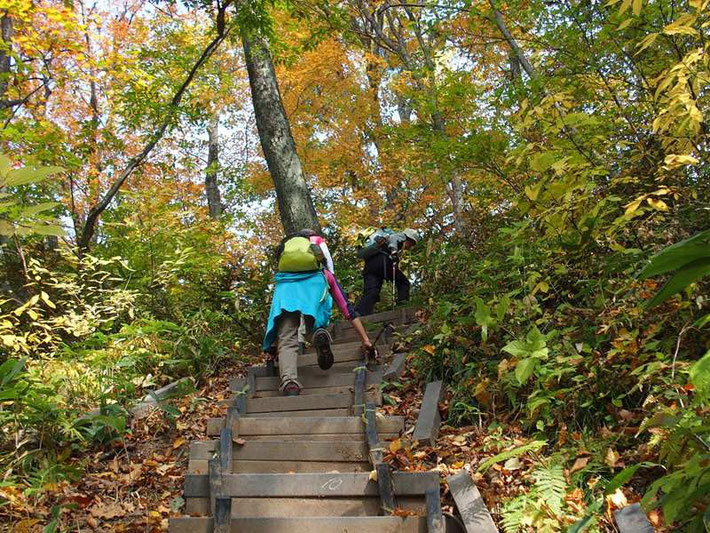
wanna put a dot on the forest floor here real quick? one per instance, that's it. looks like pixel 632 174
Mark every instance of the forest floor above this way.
pixel 135 484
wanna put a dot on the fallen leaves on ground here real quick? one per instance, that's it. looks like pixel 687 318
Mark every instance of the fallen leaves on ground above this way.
pixel 132 486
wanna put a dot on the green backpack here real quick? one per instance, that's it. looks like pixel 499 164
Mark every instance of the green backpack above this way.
pixel 300 255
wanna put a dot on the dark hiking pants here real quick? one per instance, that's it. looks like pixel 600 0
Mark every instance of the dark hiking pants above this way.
pixel 378 268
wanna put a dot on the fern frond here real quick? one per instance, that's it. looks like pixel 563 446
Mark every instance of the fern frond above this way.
pixel 513 514
pixel 551 485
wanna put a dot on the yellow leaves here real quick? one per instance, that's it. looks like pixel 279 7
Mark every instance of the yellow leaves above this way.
pixel 542 286
pixel 637 5
pixel 429 349
pixel 682 26
pixel 633 206
pixel 673 161
pixel 396 445
pixel 45 299
pixel 659 205
pixel 646 42
pixel 624 24
pixel 532 192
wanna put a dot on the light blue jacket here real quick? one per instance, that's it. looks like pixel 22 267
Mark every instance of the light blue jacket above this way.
pixel 306 292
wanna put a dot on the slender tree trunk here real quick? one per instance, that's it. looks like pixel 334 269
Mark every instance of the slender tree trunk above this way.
pixel 214 201
pixel 514 46
pixel 6 35
pixel 294 197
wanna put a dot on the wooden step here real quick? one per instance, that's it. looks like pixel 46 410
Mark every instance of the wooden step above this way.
pixel 401 314
pixel 309 381
pixel 374 393
pixel 347 389
pixel 340 524
pixel 200 466
pixel 303 507
pixel 298 403
pixel 343 411
pixel 277 450
pixel 314 425
pixel 309 485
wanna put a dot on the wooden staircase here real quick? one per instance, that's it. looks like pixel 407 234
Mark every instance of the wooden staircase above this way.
pixel 311 463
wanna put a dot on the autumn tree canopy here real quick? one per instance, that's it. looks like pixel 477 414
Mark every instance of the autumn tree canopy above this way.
pixel 153 153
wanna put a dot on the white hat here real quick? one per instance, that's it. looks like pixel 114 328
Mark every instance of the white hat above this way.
pixel 412 235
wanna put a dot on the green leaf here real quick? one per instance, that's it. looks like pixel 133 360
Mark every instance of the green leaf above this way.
pixel 4 165
pixel 688 274
pixel 502 307
pixel 483 318
pixel 678 255
pixel 39 208
pixel 534 345
pixel 624 476
pixel 23 176
pixel 524 369
pixel 702 321
pixel 700 376
pixel 508 454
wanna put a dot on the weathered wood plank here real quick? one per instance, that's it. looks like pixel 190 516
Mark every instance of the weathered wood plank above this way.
pixel 385 487
pixel 470 504
pixel 372 390
pixel 337 368
pixel 434 518
pixel 298 403
pixel 300 507
pixel 309 485
pixel 395 368
pixel 214 482
pixel 199 466
pixel 223 515
pixel 342 379
pixel 632 519
pixel 359 524
pixel 358 399
pixel 340 451
pixel 296 414
pixel 306 425
pixel 427 427
pixel 180 387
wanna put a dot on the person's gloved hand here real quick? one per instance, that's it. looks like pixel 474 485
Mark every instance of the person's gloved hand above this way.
pixel 380 241
pixel 370 352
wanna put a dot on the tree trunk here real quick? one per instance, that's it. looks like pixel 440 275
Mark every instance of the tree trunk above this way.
pixel 514 46
pixel 214 201
pixel 6 35
pixel 294 197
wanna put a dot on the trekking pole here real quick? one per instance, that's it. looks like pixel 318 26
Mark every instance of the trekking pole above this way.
pixel 394 269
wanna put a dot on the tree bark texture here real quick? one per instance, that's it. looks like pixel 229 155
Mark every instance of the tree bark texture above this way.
pixel 294 197
pixel 214 200
pixel 6 35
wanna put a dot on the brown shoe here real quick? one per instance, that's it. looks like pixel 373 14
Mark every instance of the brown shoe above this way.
pixel 321 341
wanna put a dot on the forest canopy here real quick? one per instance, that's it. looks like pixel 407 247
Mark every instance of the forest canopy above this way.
pixel 552 154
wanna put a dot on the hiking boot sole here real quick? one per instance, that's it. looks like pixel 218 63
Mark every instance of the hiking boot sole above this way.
pixel 321 341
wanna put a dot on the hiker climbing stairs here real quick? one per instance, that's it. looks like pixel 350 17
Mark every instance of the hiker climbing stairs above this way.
pixel 312 462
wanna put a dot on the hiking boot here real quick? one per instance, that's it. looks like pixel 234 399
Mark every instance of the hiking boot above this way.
pixel 291 388
pixel 321 341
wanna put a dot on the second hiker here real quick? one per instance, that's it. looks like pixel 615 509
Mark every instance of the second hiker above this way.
pixel 381 251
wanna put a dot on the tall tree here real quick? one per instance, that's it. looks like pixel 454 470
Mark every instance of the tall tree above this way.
pixel 292 192
pixel 214 200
